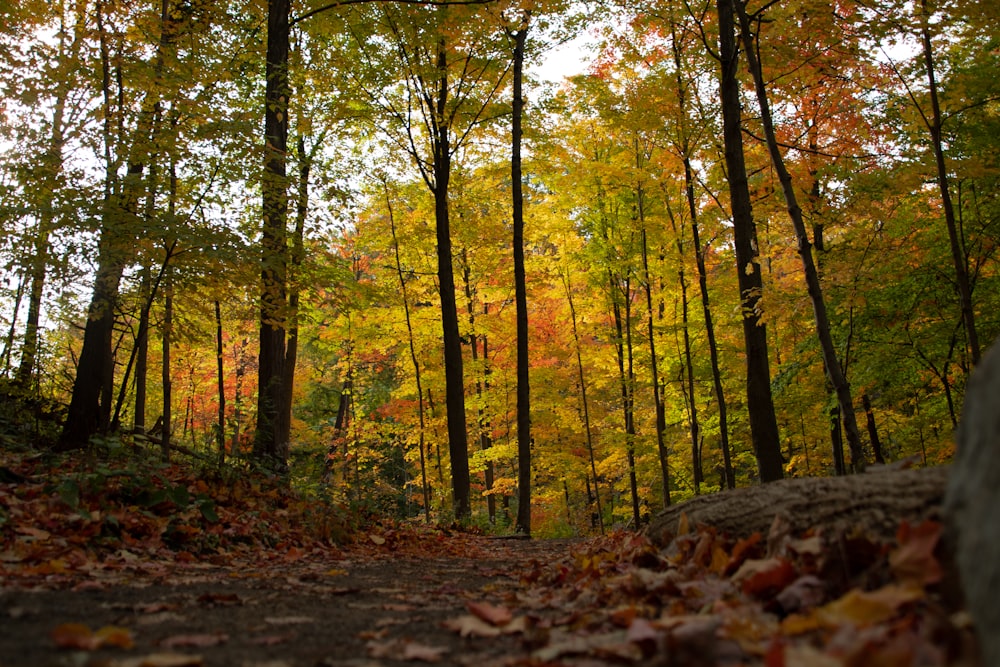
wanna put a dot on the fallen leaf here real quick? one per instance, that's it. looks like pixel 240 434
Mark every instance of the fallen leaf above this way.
pixel 765 577
pixel 804 593
pixel 865 608
pixel 74 636
pixel 161 660
pixel 471 626
pixel 404 649
pixel 195 640
pixel 289 620
pixel 495 615
pixel 914 560
pixel 111 635
pixel 376 539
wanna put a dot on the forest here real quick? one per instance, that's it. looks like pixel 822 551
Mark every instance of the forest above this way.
pixel 365 246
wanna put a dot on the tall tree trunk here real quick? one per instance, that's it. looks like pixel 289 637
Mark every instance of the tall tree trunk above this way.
pixel 583 398
pixel 832 364
pixel 760 404
pixel 661 413
pixel 458 446
pixel 52 168
pixel 687 382
pixel 220 367
pixel 273 420
pixel 934 124
pixel 872 429
pixel 413 354
pixel 623 348
pixel 89 410
pixel 142 354
pixel 520 292
pixel 168 322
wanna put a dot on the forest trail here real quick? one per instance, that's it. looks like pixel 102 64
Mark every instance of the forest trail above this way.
pixel 362 607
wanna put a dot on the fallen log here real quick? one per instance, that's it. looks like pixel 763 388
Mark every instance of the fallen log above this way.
pixel 874 503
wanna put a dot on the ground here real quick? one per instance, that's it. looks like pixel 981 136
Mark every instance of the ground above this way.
pixel 365 608
pixel 117 562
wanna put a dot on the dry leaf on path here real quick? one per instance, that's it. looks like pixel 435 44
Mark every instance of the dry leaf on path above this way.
pixel 493 614
pixel 195 640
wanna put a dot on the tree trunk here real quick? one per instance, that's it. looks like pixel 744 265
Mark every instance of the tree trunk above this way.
pixel 661 417
pixel 523 524
pixel 220 367
pixel 583 398
pixel 875 502
pixel 958 255
pixel 763 424
pixel 830 361
pixel 142 355
pixel 273 422
pixel 413 355
pixel 623 347
pixel 168 317
pixel 458 446
pixel 89 410
pixel 872 429
pixel 482 423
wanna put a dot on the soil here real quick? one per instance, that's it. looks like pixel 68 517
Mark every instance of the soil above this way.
pixel 364 608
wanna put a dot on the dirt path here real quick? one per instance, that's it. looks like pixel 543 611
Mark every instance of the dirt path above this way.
pixel 361 609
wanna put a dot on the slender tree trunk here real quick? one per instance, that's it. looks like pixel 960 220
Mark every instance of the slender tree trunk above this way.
pixel 760 404
pixel 273 422
pixel 142 354
pixel 685 151
pixel 623 347
pixel 221 433
pixel 958 255
pixel 520 293
pixel 9 338
pixel 661 413
pixel 872 429
pixel 833 368
pixel 583 398
pixel 458 446
pixel 686 361
pixel 482 424
pixel 413 355
pixel 168 318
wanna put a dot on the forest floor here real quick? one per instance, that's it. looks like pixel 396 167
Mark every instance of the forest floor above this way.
pixel 108 564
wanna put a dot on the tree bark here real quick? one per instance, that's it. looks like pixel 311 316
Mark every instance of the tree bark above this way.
pixel 271 437
pixel 221 378
pixel 523 524
pixel 760 404
pixel 875 502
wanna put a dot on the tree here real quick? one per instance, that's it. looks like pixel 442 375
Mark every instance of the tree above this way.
pixel 763 423
pixel 830 361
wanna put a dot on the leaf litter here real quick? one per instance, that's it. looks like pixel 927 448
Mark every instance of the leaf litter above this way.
pixel 214 570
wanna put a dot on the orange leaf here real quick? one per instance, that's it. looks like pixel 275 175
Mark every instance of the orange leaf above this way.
pixel 914 561
pixel 111 635
pixel 490 613
pixel 74 636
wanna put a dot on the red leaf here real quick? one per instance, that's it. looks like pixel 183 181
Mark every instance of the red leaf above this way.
pixel 765 577
pixel 914 560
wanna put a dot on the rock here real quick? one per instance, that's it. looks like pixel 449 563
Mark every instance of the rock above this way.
pixel 972 503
